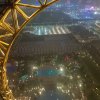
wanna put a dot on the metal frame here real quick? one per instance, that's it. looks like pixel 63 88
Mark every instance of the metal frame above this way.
pixel 9 33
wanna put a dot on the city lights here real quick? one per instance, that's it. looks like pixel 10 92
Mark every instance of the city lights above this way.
pixel 35 68
pixel 57 55
pixel 61 69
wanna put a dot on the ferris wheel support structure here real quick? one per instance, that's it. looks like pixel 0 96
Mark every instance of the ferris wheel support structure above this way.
pixel 10 30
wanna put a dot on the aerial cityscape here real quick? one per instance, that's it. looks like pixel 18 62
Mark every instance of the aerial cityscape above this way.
pixel 57 54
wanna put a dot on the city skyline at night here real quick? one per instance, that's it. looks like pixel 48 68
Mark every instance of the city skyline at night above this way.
pixel 52 53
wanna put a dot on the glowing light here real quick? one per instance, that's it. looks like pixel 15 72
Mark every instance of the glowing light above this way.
pixel 40 92
pixel 80 85
pixel 61 69
pixel 92 8
pixel 35 68
pixel 95 13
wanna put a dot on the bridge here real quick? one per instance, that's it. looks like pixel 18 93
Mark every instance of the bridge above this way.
pixel 10 13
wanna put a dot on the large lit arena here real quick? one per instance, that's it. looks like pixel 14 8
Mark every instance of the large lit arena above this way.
pixel 49 50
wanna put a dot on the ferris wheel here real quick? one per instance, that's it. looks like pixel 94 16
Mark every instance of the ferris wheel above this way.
pixel 14 15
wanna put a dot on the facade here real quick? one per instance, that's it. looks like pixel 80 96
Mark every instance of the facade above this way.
pixel 46 45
